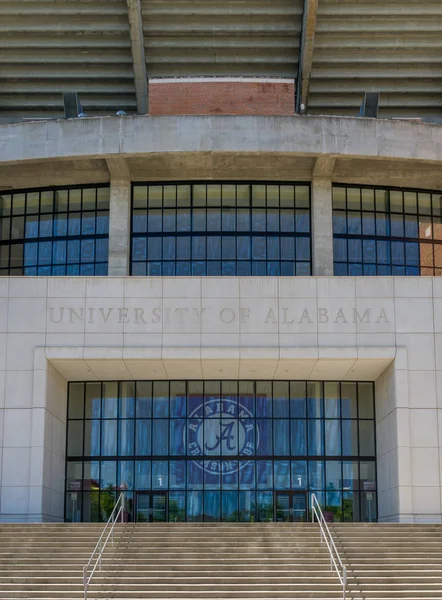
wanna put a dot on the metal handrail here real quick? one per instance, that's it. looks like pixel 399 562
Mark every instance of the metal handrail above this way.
pixel 335 559
pixel 102 545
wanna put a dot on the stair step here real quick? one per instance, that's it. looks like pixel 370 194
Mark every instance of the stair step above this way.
pixel 213 561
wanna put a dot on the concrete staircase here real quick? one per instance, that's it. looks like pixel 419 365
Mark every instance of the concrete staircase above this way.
pixel 221 560
pixel 391 560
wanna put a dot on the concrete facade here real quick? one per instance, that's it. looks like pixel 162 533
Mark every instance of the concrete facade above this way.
pixel 387 330
pixel 382 329
pixel 142 135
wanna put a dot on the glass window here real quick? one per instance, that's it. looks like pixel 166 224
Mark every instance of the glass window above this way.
pixel 350 475
pixel 110 400
pixel 315 401
pixel 299 475
pixel 142 475
pixel 126 437
pixel 332 400
pixel 225 209
pixel 93 400
pixel 160 475
pixel 247 475
pixel 67 232
pixel 125 477
pixel 281 436
pixel 349 437
pixel 366 400
pixel 75 438
pixel 177 506
pixel 143 439
pixel 366 438
pixel 76 400
pixel 109 437
pixel 316 475
pixel 92 437
pixel 282 474
pixel 297 399
pixel 219 450
pixel 160 399
pixel 387 237
pixel 315 437
pixel 332 437
pixel 298 437
pixel 349 400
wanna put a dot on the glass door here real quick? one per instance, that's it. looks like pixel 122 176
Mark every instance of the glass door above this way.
pixel 143 508
pixel 299 507
pixel 151 507
pixel 290 506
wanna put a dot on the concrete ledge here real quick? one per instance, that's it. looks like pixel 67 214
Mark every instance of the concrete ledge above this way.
pixel 29 518
pixel 103 137
pixel 102 363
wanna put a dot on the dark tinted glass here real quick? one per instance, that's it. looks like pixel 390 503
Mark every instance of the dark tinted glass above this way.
pixel 386 232
pixel 55 232
pixel 225 229
pixel 227 446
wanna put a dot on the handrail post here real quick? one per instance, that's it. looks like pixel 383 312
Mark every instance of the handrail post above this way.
pixel 97 553
pixel 325 533
pixel 113 521
pixel 122 507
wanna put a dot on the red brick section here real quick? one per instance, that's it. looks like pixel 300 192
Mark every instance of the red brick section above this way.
pixel 221 98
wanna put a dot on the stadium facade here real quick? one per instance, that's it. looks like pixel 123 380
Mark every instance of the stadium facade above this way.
pixel 227 296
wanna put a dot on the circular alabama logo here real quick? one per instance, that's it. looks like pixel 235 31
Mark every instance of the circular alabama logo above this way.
pixel 221 427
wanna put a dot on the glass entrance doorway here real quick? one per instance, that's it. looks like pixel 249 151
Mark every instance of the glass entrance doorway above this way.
pixel 290 506
pixel 212 451
pixel 151 507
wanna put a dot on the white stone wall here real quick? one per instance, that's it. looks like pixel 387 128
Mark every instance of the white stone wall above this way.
pixel 384 329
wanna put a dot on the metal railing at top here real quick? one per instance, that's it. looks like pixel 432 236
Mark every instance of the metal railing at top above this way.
pixel 335 559
pixel 102 542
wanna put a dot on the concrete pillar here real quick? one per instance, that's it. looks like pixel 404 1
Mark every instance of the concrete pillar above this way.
pixel 119 227
pixel 322 226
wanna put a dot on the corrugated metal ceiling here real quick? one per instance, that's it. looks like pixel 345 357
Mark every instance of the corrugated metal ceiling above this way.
pixel 51 46
pixel 48 47
pixel 389 46
pixel 222 38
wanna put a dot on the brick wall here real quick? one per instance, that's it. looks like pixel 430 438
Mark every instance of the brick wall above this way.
pixel 221 97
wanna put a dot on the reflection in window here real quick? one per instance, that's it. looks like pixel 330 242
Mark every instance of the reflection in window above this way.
pixel 221 447
pixel 54 231
pixel 387 232
pixel 221 229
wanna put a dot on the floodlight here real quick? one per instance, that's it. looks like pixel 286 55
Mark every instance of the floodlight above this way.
pixel 370 105
pixel 72 105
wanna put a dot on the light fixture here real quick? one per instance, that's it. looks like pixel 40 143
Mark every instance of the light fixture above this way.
pixel 72 105
pixel 370 105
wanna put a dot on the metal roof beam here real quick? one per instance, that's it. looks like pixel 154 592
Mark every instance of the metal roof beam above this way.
pixel 138 57
pixel 306 53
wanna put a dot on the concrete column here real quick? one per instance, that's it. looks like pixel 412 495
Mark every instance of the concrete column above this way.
pixel 119 227
pixel 322 226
